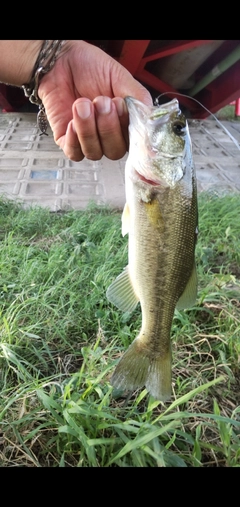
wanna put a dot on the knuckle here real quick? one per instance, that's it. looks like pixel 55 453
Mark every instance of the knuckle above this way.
pixel 74 155
pixel 93 156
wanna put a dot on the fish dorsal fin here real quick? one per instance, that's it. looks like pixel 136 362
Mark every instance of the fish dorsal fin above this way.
pixel 125 220
pixel 189 294
pixel 121 292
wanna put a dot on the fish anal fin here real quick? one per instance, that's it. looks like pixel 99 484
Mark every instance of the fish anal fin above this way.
pixel 138 368
pixel 125 219
pixel 189 295
pixel 121 292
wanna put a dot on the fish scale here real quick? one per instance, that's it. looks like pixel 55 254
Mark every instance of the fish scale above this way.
pixel 168 270
pixel 160 217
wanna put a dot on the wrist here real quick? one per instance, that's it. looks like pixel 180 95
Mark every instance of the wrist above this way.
pixel 17 60
pixel 47 57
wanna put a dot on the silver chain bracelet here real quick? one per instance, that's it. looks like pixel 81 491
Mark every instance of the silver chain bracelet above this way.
pixel 45 61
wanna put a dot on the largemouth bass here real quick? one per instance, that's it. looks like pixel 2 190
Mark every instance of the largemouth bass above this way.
pixel 160 217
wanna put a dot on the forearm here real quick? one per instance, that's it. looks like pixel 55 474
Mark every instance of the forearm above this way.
pixel 17 60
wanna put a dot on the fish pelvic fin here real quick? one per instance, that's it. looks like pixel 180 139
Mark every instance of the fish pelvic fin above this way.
pixel 138 368
pixel 121 292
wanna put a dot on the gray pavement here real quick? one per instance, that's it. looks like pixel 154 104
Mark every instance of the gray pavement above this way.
pixel 35 171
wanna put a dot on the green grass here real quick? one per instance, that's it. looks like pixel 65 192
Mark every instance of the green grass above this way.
pixel 60 340
pixel 227 113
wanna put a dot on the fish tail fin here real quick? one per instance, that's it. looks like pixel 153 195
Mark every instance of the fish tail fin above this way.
pixel 138 368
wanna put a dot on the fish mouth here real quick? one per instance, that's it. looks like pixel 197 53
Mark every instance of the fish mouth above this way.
pixel 154 112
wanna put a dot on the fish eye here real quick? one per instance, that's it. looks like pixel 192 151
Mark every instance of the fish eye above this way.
pixel 179 128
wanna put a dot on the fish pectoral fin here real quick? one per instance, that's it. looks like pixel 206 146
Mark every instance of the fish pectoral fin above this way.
pixel 121 292
pixel 125 219
pixel 189 295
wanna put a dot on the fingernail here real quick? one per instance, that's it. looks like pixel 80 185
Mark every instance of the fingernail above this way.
pixel 83 109
pixel 121 107
pixel 104 105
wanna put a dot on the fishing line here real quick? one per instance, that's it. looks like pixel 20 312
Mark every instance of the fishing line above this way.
pixel 206 109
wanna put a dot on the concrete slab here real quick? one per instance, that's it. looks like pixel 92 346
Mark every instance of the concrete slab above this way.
pixel 35 171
